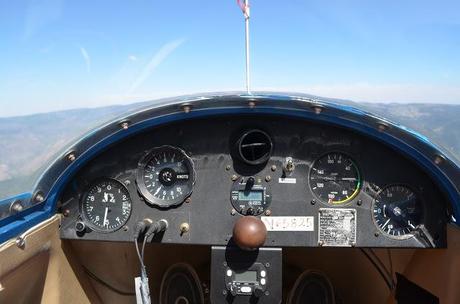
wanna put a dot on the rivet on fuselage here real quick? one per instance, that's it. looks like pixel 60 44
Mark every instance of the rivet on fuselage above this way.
pixel 71 156
pixel 186 107
pixel 382 127
pixel 124 125
pixel 439 159
pixel 317 109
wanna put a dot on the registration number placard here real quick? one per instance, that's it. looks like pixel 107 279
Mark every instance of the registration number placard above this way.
pixel 289 223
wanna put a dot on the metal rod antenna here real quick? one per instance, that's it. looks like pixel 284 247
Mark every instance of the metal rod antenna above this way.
pixel 246 21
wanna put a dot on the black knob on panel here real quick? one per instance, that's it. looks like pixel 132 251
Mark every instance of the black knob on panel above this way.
pixel 250 183
pixel 258 291
pixel 80 227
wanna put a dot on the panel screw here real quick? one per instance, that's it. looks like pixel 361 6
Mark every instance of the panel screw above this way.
pixel 438 159
pixel 267 293
pixel 186 107
pixel 234 177
pixel 268 178
pixel 382 127
pixel 268 212
pixel 273 168
pixel 20 242
pixel 313 202
pixel 376 234
pixel 320 243
pixel 224 292
pixel 267 264
pixel 124 125
pixel 252 104
pixel 16 206
pixel 39 197
pixel 233 212
pixel 66 212
pixel 228 167
pixel 360 202
pixel 188 200
pixel 71 156
pixel 317 109
pixel 125 228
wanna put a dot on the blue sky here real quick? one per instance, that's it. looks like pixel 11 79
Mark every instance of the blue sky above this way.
pixel 58 55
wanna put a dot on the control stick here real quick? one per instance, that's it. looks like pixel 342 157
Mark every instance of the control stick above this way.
pixel 249 233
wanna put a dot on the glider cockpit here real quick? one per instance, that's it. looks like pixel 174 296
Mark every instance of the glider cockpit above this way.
pixel 245 192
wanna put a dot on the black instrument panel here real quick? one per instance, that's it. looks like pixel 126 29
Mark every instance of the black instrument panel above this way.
pixel 316 184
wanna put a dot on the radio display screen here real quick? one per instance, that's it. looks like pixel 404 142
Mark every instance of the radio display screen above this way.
pixel 250 195
pixel 247 276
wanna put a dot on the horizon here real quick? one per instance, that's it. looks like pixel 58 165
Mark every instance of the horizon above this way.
pixel 147 101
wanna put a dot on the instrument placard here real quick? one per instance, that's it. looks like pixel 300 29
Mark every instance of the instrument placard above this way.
pixel 337 227
pixel 289 223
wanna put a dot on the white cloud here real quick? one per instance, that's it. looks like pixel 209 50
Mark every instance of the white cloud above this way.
pixel 405 93
pixel 132 58
pixel 156 60
pixel 87 59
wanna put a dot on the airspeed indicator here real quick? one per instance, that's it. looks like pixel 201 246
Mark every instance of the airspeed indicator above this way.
pixel 334 178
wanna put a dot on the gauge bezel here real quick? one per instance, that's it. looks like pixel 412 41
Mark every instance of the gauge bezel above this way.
pixel 353 196
pixel 149 198
pixel 91 185
pixel 383 232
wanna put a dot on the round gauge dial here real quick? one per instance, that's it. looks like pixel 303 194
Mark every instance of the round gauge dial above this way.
pixel 106 206
pixel 165 176
pixel 334 178
pixel 397 211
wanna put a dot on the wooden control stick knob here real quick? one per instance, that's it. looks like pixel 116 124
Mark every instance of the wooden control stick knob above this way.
pixel 249 232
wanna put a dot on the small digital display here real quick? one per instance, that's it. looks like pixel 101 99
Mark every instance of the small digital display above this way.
pixel 247 276
pixel 250 195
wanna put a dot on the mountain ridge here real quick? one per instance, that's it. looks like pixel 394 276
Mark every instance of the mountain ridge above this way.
pixel 30 142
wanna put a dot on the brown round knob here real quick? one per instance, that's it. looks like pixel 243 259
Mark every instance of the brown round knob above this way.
pixel 249 232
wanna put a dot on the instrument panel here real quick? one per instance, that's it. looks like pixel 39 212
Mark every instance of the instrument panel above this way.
pixel 311 184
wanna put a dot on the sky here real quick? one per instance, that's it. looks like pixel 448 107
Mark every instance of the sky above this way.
pixel 57 54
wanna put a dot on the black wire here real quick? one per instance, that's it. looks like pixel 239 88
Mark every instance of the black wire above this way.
pixel 141 258
pixel 143 247
pixel 391 265
pixel 385 278
pixel 101 281
pixel 383 266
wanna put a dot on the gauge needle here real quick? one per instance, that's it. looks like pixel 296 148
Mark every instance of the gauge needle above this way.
pixel 384 213
pixel 105 215
pixel 327 178
pixel 385 223
pixel 158 190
